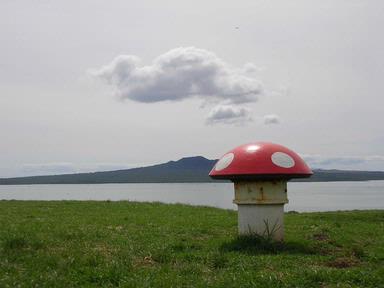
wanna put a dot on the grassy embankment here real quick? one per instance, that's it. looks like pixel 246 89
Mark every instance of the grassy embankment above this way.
pixel 66 244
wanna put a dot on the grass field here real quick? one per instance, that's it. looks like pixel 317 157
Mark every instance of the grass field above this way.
pixel 127 244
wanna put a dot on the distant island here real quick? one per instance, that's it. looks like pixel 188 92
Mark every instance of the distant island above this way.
pixel 189 169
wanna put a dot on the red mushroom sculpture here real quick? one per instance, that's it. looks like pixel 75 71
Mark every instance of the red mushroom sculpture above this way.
pixel 260 172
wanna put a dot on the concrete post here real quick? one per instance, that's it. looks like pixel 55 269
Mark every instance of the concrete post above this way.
pixel 261 208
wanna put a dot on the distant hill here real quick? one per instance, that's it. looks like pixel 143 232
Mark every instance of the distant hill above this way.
pixel 189 169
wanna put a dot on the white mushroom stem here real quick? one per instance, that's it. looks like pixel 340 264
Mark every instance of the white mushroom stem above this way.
pixel 261 208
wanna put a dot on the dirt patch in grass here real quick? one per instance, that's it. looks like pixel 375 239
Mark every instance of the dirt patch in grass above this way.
pixel 321 237
pixel 343 262
pixel 147 261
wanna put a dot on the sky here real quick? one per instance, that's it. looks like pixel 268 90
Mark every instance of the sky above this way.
pixel 103 85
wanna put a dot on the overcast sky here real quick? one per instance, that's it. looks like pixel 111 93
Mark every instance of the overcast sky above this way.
pixel 102 85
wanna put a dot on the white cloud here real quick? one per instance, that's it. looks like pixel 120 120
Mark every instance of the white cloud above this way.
pixel 69 168
pixel 344 162
pixel 228 114
pixel 271 119
pixel 106 167
pixel 47 169
pixel 183 73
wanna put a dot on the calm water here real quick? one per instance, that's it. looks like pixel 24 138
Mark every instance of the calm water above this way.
pixel 311 196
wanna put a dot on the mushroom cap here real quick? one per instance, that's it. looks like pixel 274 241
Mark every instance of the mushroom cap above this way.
pixel 260 161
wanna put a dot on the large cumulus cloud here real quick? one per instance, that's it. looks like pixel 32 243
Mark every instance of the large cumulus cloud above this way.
pixel 345 162
pixel 182 73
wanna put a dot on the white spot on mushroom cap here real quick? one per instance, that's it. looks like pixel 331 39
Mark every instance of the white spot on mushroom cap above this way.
pixel 224 162
pixel 282 159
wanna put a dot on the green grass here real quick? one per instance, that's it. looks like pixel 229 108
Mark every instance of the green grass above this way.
pixel 127 244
